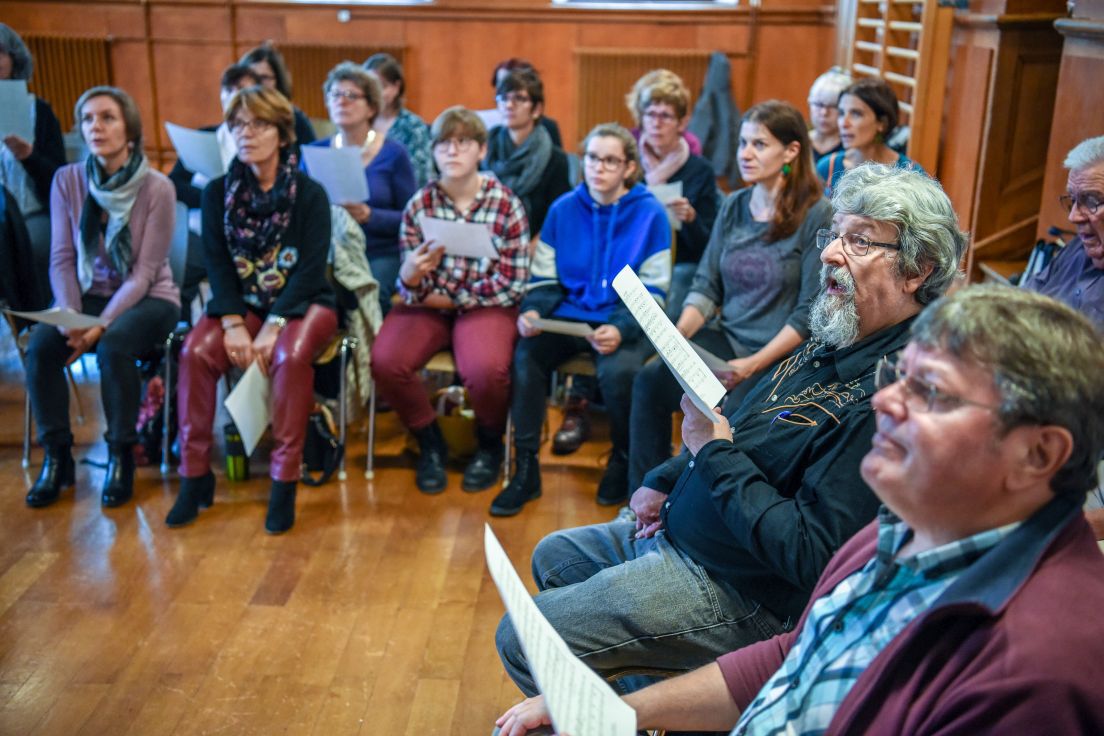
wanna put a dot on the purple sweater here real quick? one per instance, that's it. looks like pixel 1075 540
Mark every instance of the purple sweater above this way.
pixel 1012 647
pixel 151 232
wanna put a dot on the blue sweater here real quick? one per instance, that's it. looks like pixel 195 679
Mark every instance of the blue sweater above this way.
pixel 583 245
pixel 391 184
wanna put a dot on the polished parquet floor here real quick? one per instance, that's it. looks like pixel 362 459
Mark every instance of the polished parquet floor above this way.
pixel 374 615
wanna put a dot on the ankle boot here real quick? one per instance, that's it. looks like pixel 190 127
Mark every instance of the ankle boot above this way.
pixel 58 472
pixel 613 489
pixel 483 470
pixel 195 493
pixel 575 429
pixel 281 507
pixel 524 486
pixel 118 484
pixel 429 471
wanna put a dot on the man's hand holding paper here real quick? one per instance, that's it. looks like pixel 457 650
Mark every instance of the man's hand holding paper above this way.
pixel 698 429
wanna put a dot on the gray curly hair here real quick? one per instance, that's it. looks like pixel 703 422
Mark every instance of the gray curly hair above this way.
pixel 12 45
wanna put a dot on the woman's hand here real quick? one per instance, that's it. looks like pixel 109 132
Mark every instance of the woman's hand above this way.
pixel 359 212
pixel 525 327
pixel 264 344
pixel 20 147
pixel 742 369
pixel 82 341
pixel 684 211
pixel 605 339
pixel 239 345
pixel 526 715
pixel 418 263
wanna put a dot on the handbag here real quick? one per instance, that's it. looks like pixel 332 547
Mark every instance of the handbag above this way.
pixel 456 419
pixel 322 450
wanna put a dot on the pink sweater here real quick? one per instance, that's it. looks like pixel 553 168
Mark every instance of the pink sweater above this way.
pixel 151 231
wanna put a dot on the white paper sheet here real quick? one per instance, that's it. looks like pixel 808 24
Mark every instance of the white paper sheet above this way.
pixel 563 327
pixel 59 317
pixel 580 702
pixel 490 118
pixel 712 362
pixel 16 109
pixel 666 193
pixel 470 239
pixel 249 407
pixel 339 171
pixel 197 149
pixel 689 369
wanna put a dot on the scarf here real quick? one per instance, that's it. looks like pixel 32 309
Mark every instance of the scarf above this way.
pixel 115 195
pixel 658 170
pixel 520 167
pixel 255 223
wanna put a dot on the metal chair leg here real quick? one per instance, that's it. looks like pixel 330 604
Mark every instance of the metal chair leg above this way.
pixel 343 402
pixel 166 417
pixel 26 430
pixel 507 456
pixel 370 471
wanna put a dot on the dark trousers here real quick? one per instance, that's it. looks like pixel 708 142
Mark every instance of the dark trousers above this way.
pixel 534 360
pixel 203 361
pixel 195 270
pixel 139 331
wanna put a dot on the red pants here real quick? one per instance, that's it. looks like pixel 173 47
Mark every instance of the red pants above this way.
pixel 482 342
pixel 203 361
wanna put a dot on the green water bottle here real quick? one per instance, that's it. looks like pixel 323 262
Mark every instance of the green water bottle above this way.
pixel 237 462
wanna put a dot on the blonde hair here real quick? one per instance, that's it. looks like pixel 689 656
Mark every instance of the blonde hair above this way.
pixel 659 86
pixel 458 120
pixel 628 144
pixel 265 104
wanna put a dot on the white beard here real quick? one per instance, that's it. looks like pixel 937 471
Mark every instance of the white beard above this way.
pixel 833 318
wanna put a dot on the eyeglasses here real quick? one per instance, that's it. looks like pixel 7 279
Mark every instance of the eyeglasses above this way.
pixel 606 163
pixel 822 105
pixel 339 94
pixel 265 78
pixel 1089 202
pixel 920 396
pixel 256 125
pixel 853 245
pixel 512 98
pixel 659 117
pixel 462 144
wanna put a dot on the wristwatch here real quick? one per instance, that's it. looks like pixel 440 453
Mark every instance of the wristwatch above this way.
pixel 275 319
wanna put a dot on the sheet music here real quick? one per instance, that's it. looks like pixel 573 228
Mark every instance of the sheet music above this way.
pixel 580 702
pixel 59 317
pixel 460 238
pixel 249 408
pixel 198 149
pixel 339 171
pixel 16 109
pixel 689 369
pixel 562 327
pixel 490 117
pixel 665 193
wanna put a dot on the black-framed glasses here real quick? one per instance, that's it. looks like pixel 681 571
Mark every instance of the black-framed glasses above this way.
pixel 1089 202
pixel 606 163
pixel 512 97
pixel 920 395
pixel 462 144
pixel 854 245
pixel 256 125
pixel 340 94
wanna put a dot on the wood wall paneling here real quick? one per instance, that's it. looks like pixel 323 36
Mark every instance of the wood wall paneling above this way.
pixel 196 24
pixel 785 63
pixel 188 82
pixel 964 128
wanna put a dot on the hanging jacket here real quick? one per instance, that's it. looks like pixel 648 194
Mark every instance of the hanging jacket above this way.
pixel 716 119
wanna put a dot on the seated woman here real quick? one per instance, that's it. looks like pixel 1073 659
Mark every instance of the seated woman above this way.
pixel 26 168
pixel 353 99
pixel 521 153
pixel 824 112
pixel 396 121
pixel 468 305
pixel 266 234
pixel 111 220
pixel 507 66
pixel 760 271
pixel 867 116
pixel 607 223
pixel 268 64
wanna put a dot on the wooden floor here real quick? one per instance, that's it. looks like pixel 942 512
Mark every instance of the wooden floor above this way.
pixel 374 615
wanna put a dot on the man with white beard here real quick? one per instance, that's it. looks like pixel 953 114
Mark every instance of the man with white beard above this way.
pixel 731 536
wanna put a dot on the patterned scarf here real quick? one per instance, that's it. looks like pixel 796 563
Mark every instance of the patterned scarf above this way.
pixel 114 194
pixel 255 224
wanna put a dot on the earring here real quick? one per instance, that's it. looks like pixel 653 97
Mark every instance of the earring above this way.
pixel 786 169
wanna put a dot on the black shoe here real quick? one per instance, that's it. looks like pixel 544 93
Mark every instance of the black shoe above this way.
pixel 429 470
pixel 575 429
pixel 281 507
pixel 195 493
pixel 524 486
pixel 484 468
pixel 118 486
pixel 614 486
pixel 58 473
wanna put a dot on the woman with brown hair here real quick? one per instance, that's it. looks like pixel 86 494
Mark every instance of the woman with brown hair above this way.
pixel 759 272
pixel 268 65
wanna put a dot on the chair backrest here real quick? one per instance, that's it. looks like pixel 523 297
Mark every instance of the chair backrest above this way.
pixel 178 250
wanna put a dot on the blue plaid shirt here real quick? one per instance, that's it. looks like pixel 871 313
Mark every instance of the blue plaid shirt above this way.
pixel 849 627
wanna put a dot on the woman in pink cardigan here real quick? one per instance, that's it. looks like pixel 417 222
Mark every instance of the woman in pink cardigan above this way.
pixel 111 220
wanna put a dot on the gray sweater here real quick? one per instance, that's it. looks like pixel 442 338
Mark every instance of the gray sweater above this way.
pixel 758 286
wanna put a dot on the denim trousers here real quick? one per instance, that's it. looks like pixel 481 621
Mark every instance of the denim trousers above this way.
pixel 623 604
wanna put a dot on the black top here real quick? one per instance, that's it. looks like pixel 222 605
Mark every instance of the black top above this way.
pixel 553 130
pixel 181 177
pixel 304 131
pixel 700 187
pixel 767 511
pixel 47 153
pixel 309 231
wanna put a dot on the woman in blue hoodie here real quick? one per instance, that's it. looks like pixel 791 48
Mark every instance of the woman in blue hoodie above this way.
pixel 590 234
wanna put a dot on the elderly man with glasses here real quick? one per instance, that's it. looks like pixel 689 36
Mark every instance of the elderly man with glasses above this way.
pixel 730 538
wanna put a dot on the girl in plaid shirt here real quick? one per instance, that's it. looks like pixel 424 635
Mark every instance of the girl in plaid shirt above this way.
pixel 464 304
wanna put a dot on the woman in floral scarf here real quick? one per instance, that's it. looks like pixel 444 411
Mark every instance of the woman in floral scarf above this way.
pixel 266 234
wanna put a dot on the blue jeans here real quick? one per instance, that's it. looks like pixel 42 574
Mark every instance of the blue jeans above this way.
pixel 682 276
pixel 624 604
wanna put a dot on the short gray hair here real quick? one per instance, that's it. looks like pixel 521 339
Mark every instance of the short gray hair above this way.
pixel 1088 152
pixel 368 84
pixel 12 44
pixel 835 81
pixel 917 206
pixel 1046 360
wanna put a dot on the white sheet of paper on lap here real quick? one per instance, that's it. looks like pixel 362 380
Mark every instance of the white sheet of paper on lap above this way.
pixel 197 149
pixel 339 171
pixel 563 327
pixel 666 193
pixel 685 364
pixel 460 238
pixel 580 702
pixel 248 405
pixel 16 108
pixel 59 317
pixel 490 117
pixel 712 362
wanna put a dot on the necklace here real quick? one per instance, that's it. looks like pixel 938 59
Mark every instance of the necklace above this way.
pixel 339 141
